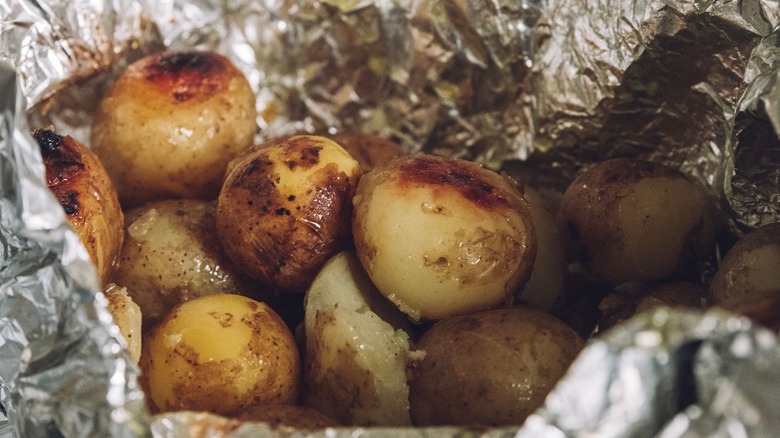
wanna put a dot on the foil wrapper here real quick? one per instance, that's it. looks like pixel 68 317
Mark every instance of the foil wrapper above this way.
pixel 550 85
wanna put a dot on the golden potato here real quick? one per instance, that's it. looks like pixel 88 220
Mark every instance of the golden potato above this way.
pixel 749 272
pixel 81 185
pixel 298 417
pixel 127 316
pixel 222 354
pixel 357 348
pixel 170 124
pixel 368 149
pixel 285 208
pixel 489 368
pixel 443 236
pixel 171 254
pixel 634 220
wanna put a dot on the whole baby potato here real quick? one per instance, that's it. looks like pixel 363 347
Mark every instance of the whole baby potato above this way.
pixel 285 208
pixel 489 368
pixel 635 220
pixel 171 123
pixel 443 236
pixel 171 254
pixel 83 188
pixel 222 354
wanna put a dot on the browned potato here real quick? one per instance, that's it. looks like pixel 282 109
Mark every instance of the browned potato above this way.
pixel 633 220
pixel 285 208
pixel 171 254
pixel 170 124
pixel 127 316
pixel 442 236
pixel 617 307
pixel 298 417
pixel 489 368
pixel 220 353
pixel 84 190
pixel 749 273
pixel 369 150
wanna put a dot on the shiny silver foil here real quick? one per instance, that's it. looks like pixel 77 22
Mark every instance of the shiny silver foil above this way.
pixel 552 84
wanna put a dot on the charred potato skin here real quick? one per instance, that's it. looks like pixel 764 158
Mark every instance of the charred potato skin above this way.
pixel 491 223
pixel 171 123
pixel 489 368
pixel 591 209
pixel 222 354
pixel 282 235
pixel 84 190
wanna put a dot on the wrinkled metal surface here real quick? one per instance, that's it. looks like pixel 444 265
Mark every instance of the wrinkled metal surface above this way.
pixel 556 84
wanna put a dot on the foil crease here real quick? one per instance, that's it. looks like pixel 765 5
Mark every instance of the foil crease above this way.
pixel 753 183
pixel 65 369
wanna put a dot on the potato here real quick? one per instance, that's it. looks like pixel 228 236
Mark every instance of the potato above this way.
pixel 81 185
pixel 127 317
pixel 298 417
pixel 489 368
pixel 442 236
pixel 285 208
pixel 357 346
pixel 220 353
pixel 170 124
pixel 171 254
pixel 634 220
pixel 749 272
pixel 369 150
pixel 618 307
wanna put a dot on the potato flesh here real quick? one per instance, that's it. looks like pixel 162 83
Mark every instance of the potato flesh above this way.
pixel 434 248
pixel 355 368
pixel 127 316
pixel 222 354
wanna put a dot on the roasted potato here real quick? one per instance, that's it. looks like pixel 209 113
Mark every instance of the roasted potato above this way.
pixel 285 208
pixel 298 417
pixel 357 346
pixel 749 272
pixel 220 353
pixel 443 236
pixel 618 307
pixel 368 149
pixel 635 220
pixel 81 185
pixel 489 368
pixel 127 317
pixel 171 254
pixel 170 124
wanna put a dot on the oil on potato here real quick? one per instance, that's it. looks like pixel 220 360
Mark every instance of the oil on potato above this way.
pixel 220 353
pixel 171 254
pixel 489 368
pixel 83 188
pixel 356 348
pixel 442 236
pixel 170 124
pixel 635 220
pixel 285 208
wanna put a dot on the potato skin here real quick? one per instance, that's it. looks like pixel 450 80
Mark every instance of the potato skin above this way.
pixel 368 149
pixel 298 417
pixel 171 254
pixel 285 208
pixel 489 368
pixel 443 236
pixel 83 188
pixel 170 124
pixel 220 353
pixel 635 220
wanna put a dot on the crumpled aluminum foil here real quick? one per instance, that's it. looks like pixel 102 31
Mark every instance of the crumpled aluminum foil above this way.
pixel 555 83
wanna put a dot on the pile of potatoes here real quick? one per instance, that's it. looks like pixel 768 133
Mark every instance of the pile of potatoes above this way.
pixel 324 280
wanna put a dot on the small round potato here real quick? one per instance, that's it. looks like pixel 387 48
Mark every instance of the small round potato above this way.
pixel 81 185
pixel 635 220
pixel 170 124
pixel 171 254
pixel 750 272
pixel 285 208
pixel 222 354
pixel 443 236
pixel 489 368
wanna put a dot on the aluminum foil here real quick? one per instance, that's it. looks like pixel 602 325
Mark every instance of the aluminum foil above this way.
pixel 556 84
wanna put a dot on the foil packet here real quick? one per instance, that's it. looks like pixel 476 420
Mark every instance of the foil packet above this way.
pixel 553 85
